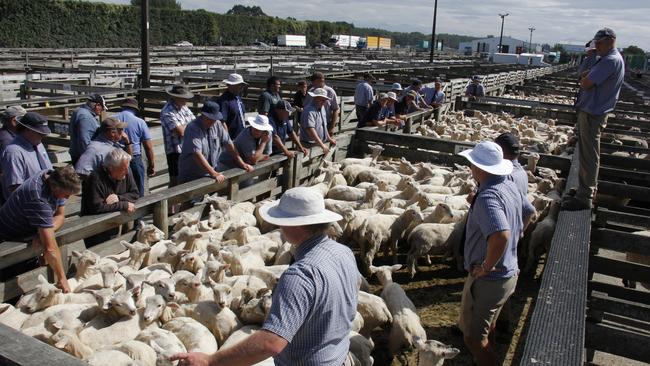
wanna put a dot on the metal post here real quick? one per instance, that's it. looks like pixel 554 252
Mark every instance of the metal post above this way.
pixel 433 31
pixel 503 18
pixel 530 42
pixel 144 42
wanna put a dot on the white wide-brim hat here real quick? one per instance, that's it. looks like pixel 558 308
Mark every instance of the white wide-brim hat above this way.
pixel 488 157
pixel 260 122
pixel 234 79
pixel 319 93
pixel 298 206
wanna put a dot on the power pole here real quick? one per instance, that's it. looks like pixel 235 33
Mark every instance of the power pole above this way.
pixel 530 42
pixel 503 18
pixel 433 31
pixel 144 43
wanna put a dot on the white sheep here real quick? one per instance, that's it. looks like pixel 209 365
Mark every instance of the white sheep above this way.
pixel 46 295
pixel 163 342
pixel 241 259
pixel 221 321
pixel 361 347
pixel 433 353
pixel 541 237
pixel 427 239
pixel 137 351
pixel 194 335
pixel 374 312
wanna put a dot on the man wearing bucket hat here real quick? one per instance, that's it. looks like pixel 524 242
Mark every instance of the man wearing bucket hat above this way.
pixel 205 141
pixel 9 119
pixel 314 301
pixel 364 95
pixel 283 130
pixel 174 117
pixel 376 115
pixel 498 215
pixel 139 136
pixel 331 105
pixel 313 123
pixel 600 85
pixel 232 107
pixel 83 124
pixel 25 155
pixel 110 133
pixel 475 89
pixel 252 145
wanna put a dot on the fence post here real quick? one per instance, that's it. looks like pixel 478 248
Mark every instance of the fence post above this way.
pixel 287 172
pixel 160 218
pixel 233 188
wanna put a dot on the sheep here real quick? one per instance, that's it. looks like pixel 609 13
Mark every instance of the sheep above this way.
pixel 136 350
pixel 137 253
pixel 241 334
pixel 83 312
pixel 86 263
pixel 241 259
pixel 375 152
pixel 406 322
pixel 163 342
pixel 357 322
pixel 541 237
pixel 221 321
pixel 68 341
pixel 425 239
pixel 47 295
pixel 433 353
pixel 253 310
pixel 189 236
pixel 194 335
pixel 284 254
pixel 149 234
pixel 243 234
pixel 156 309
pixel 191 262
pixel 443 214
pixel 346 193
pixel 361 347
pixel 107 278
pixel 185 219
pixel 374 312
pixel 164 251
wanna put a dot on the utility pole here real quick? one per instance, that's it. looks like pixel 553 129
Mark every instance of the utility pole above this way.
pixel 144 43
pixel 503 18
pixel 530 42
pixel 433 31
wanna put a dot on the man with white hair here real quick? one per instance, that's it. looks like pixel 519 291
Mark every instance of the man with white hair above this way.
pixel 601 78
pixel 314 301
pixel 83 124
pixel 109 188
pixel 498 215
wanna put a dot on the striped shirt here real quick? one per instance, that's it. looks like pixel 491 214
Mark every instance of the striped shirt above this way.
pixel 170 118
pixel 314 304
pixel 29 208
pixel 21 160
pixel 520 177
pixel 499 206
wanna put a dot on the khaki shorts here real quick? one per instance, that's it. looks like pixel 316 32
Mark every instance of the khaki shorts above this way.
pixel 481 303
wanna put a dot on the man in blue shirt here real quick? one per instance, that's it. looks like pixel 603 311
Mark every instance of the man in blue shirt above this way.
pixel 497 217
pixel 36 210
pixel 314 301
pixel 252 145
pixel 204 143
pixel 363 95
pixel 599 89
pixel 510 146
pixel 9 118
pixel 110 133
pixel 332 108
pixel 283 130
pixel 313 125
pixel 475 89
pixel 416 86
pixel 435 97
pixel 25 155
pixel 139 135
pixel 83 124
pixel 232 107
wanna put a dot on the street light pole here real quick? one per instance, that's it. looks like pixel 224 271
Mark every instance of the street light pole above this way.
pixel 433 31
pixel 530 42
pixel 144 43
pixel 503 18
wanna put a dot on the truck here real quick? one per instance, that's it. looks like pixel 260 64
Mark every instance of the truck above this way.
pixel 343 41
pixel 289 40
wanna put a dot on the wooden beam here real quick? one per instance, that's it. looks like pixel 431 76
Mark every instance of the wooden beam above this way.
pixel 619 268
pixel 19 349
pixel 617 341
pixel 620 292
pixel 605 216
pixel 620 241
pixel 602 302
pixel 636 193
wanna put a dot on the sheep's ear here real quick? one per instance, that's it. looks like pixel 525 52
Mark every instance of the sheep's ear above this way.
pixel 146 250
pixel 373 269
pixel 61 343
pixel 395 267
pixel 76 253
pixel 244 250
pixel 42 279
pixel 211 258
pixel 126 244
pixel 58 324
pixel 448 352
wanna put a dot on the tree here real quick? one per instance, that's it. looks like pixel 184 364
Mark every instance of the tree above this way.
pixel 633 50
pixel 164 4
pixel 254 11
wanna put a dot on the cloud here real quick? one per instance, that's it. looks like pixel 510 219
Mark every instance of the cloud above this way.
pixel 555 21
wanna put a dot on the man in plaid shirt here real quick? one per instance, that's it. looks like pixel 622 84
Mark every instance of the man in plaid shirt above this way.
pixel 174 116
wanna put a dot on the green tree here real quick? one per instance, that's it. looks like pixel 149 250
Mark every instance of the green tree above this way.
pixel 163 4
pixel 633 50
pixel 254 11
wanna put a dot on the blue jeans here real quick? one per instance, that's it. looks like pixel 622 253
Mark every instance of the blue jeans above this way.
pixel 137 169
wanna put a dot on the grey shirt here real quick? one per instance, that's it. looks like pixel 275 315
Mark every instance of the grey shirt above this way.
pixel 313 117
pixel 520 177
pixel 209 142
pixel 607 74
pixel 21 160
pixel 246 145
pixel 363 94
pixel 330 106
pixel 94 155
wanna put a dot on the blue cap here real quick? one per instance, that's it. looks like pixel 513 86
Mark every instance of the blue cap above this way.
pixel 35 122
pixel 212 111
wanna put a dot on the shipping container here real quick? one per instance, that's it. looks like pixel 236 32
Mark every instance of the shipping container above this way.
pixel 384 43
pixel 373 43
pixel 288 40
pixel 343 41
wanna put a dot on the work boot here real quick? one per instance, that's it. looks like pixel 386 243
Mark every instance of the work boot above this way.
pixel 575 204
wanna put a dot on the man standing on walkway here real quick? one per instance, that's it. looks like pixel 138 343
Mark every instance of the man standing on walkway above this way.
pixel 231 105
pixel 364 95
pixel 270 97
pixel 83 124
pixel 174 117
pixel 331 105
pixel 599 89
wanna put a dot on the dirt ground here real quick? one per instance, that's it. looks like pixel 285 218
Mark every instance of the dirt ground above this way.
pixel 436 292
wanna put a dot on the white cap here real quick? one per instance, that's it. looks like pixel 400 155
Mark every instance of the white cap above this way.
pixel 488 157
pixel 234 79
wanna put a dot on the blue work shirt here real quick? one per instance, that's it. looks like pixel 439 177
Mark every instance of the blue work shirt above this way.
pixel 281 129
pixel 210 142
pixel 6 136
pixel 520 177
pixel 246 146
pixel 363 94
pixel 314 304
pixel 83 124
pixel 331 105
pixel 432 95
pixel 315 118
pixel 29 208
pixel 607 74
pixel 476 90
pixel 170 118
pixel 21 160
pixel 136 129
pixel 94 155
pixel 499 206
pixel 233 111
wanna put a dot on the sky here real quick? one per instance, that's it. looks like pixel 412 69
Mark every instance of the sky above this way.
pixel 555 21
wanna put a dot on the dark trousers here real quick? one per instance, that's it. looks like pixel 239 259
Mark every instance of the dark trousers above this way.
pixel 361 111
pixel 137 169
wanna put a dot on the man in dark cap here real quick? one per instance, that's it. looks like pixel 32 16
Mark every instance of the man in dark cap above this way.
pixel 138 132
pixel 174 117
pixel 83 124
pixel 25 156
pixel 475 89
pixel 510 146
pixel 9 118
pixel 601 78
